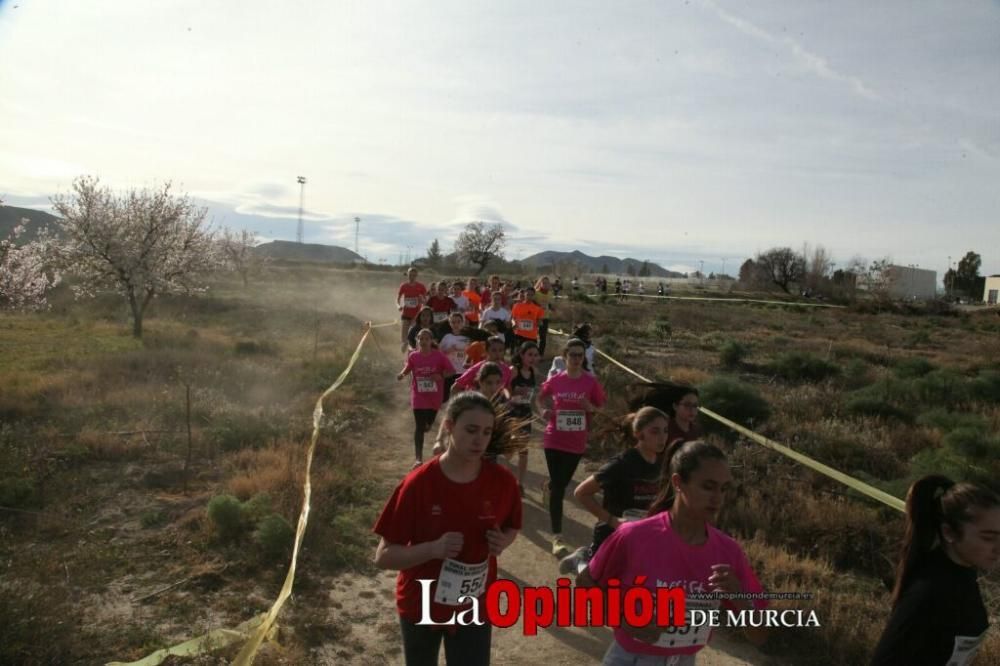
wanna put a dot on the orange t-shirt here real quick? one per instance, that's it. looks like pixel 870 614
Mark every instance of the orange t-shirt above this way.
pixel 475 301
pixel 526 316
pixel 475 352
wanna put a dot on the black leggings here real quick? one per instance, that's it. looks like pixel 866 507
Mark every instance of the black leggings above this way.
pixel 424 419
pixel 543 335
pixel 467 645
pixel 561 466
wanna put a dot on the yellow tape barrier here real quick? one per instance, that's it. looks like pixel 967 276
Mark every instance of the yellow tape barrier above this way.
pixel 815 465
pixel 249 651
pixel 213 640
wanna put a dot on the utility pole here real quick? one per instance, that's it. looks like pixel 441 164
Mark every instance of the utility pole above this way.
pixel 302 196
pixel 357 227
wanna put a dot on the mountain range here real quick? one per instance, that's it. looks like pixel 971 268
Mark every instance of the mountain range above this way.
pixel 11 216
pixel 280 249
pixel 556 262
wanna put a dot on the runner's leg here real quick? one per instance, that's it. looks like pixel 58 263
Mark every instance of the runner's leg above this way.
pixel 421 644
pixel 561 466
pixel 543 335
pixel 424 419
pixel 469 645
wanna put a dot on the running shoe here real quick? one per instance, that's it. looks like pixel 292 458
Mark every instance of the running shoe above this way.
pixel 571 564
pixel 559 549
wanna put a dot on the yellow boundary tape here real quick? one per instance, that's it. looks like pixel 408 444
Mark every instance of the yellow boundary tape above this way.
pixel 260 627
pixel 815 465
pixel 723 300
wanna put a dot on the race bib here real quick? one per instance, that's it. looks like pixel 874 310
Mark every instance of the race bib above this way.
pixel 688 635
pixel 571 420
pixel 440 317
pixel 457 359
pixel 410 303
pixel 458 579
pixel 426 385
pixel 965 649
pixel 526 325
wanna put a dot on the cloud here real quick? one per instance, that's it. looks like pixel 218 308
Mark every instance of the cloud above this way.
pixel 804 57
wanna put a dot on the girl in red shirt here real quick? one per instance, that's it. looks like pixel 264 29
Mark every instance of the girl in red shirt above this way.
pixel 409 299
pixel 448 520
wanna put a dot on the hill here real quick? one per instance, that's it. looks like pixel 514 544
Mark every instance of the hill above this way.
pixel 307 252
pixel 550 260
pixel 10 217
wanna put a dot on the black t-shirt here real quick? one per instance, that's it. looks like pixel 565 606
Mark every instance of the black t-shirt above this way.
pixel 628 482
pixel 520 392
pixel 674 432
pixel 940 618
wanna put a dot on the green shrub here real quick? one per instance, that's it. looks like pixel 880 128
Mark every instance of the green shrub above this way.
pixel 254 347
pixel 661 328
pixel 275 536
pixel 736 401
pixel 800 366
pixel 732 354
pixel 919 338
pixel 857 374
pixel 256 508
pixel 150 519
pixel 972 442
pixel 986 387
pixel 16 492
pixel 866 405
pixel 943 387
pixel 911 368
pixel 226 514
pixel 233 432
pixel 946 421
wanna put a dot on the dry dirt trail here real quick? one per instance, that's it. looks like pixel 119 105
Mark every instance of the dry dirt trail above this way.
pixel 367 603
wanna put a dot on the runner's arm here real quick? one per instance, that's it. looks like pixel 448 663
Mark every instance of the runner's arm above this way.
pixel 395 556
pixel 586 492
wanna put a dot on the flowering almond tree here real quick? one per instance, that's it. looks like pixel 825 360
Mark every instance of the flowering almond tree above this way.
pixel 238 253
pixel 25 276
pixel 139 243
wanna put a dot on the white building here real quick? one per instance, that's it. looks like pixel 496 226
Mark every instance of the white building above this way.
pixel 991 292
pixel 910 282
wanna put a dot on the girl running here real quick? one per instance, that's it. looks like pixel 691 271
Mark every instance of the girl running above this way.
pixel 475 299
pixel 525 317
pixel 410 296
pixel 495 347
pixel 677 543
pixel 522 389
pixel 454 344
pixel 440 303
pixel 489 379
pixel 679 401
pixel 429 367
pixel 938 617
pixel 573 395
pixel 424 320
pixel 448 521
pixel 629 482
pixel 544 297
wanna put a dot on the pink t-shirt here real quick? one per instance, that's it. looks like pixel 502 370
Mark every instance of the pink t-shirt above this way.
pixel 427 393
pixel 569 423
pixel 651 548
pixel 468 378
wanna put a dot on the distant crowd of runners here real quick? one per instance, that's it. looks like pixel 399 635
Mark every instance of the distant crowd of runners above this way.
pixel 454 514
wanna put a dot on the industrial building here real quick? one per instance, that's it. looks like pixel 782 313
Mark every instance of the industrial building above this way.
pixel 991 292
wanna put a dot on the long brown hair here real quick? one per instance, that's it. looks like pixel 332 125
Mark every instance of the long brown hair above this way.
pixel 682 458
pixel 634 422
pixel 505 438
pixel 931 503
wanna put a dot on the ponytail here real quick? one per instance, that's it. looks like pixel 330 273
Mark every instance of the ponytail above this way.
pixel 682 458
pixel 933 502
pixel 634 422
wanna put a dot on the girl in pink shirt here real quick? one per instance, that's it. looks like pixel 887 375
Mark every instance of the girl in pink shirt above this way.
pixel 573 395
pixel 677 546
pixel 429 367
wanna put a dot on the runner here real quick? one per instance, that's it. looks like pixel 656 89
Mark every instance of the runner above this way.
pixel 544 297
pixel 679 401
pixel 410 296
pixel 618 289
pixel 448 521
pixel 522 389
pixel 677 543
pixel 642 288
pixel 425 319
pixel 441 303
pixel 525 317
pixel 493 286
pixel 429 367
pixel 458 297
pixel 938 617
pixel 629 483
pixel 454 344
pixel 574 395
pixel 582 332
pixel 497 311
pixel 476 352
pixel 495 347
pixel 475 301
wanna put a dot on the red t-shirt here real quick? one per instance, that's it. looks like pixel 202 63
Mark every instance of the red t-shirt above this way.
pixel 426 504
pixel 442 306
pixel 412 294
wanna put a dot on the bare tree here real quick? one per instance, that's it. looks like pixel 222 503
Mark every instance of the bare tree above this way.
pixel 140 243
pixel 25 275
pixel 479 244
pixel 782 266
pixel 819 264
pixel 239 255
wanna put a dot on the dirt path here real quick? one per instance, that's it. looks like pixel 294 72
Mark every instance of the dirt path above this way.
pixel 367 604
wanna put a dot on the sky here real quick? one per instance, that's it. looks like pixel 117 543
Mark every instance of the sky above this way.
pixel 678 131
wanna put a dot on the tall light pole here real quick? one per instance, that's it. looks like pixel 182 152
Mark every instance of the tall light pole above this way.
pixel 302 196
pixel 947 285
pixel 701 270
pixel 723 265
pixel 357 227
